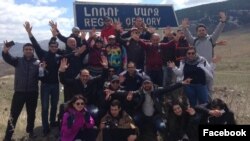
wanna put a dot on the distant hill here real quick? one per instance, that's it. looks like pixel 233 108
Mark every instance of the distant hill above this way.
pixel 16 50
pixel 238 13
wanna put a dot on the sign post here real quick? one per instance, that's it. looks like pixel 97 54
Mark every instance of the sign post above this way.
pixel 89 15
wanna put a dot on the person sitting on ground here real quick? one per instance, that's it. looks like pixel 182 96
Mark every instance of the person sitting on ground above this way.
pixel 216 112
pixel 75 119
pixel 116 118
pixel 182 122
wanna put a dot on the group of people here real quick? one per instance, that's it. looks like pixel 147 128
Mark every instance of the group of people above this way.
pixel 119 80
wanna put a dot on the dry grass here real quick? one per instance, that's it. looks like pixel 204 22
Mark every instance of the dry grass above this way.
pixel 232 83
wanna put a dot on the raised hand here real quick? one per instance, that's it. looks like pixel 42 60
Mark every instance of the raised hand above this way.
pixel 92 33
pixel 221 43
pixel 151 30
pixel 63 65
pixel 223 16
pixel 80 50
pixel 5 48
pixel 27 27
pixel 171 64
pixel 104 61
pixel 54 32
pixel 191 111
pixel 83 35
pixel 185 23
pixel 53 24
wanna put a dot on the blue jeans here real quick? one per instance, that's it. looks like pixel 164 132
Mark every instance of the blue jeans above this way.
pixel 196 93
pixel 49 94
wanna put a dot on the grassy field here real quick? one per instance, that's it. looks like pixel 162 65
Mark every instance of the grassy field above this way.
pixel 232 83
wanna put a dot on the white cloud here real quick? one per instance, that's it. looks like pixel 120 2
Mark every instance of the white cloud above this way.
pixel 179 4
pixel 40 2
pixel 14 15
pixel 113 1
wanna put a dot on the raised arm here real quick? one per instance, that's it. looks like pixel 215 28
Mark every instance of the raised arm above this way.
pixel 7 57
pixel 59 35
pixel 189 36
pixel 219 27
pixel 39 51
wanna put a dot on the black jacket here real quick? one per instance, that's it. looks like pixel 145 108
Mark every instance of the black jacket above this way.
pixel 226 118
pixel 26 73
pixel 90 91
pixel 156 95
pixel 52 61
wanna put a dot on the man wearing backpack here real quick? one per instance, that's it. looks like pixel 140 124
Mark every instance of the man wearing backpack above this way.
pixel 204 43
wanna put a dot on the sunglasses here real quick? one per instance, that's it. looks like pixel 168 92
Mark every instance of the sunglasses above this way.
pixel 111 70
pixel 79 103
pixel 190 53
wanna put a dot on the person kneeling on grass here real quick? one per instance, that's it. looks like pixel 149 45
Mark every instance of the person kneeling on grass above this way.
pixel 115 122
pixel 75 120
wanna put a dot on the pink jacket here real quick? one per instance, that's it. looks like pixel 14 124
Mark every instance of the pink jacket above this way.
pixel 69 133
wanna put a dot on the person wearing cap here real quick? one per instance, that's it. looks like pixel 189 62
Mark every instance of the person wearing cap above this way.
pixel 50 83
pixel 135 52
pixel 108 28
pixel 117 55
pixel 95 53
pixel 149 108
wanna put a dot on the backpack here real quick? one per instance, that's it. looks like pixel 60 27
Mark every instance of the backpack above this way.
pixel 210 39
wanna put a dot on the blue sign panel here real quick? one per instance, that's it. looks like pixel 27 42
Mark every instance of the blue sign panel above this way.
pixel 89 15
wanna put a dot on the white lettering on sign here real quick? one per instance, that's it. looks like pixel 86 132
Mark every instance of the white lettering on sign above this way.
pixel 94 22
pixel 146 12
pixel 112 12
pixel 154 21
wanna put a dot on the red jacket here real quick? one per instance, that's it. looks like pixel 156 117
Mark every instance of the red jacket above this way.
pixel 153 54
pixel 107 31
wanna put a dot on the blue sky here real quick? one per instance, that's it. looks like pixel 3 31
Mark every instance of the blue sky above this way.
pixel 14 13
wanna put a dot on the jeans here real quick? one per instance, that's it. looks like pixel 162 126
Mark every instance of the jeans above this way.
pixel 49 94
pixel 196 93
pixel 18 101
pixel 156 121
pixel 168 75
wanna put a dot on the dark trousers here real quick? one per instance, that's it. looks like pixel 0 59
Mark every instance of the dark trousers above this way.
pixel 156 76
pixel 18 101
pixel 68 93
pixel 49 94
